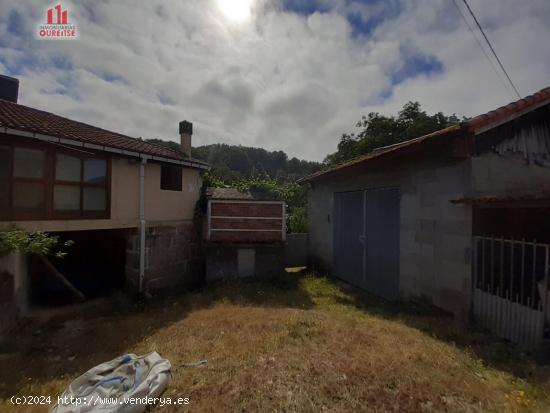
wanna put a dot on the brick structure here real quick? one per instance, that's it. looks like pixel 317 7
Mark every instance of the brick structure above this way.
pixel 245 235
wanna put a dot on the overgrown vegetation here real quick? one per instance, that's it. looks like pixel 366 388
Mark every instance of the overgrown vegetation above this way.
pixel 35 242
pixel 297 220
pixel 376 131
pixel 294 195
pixel 295 344
pixel 273 174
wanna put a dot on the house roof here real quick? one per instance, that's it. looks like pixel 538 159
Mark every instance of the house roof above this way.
pixel 17 117
pixel 475 125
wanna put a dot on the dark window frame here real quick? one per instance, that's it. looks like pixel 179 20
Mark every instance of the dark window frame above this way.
pixel 171 177
pixel 48 213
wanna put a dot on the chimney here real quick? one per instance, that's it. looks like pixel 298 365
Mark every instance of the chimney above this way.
pixel 9 88
pixel 186 130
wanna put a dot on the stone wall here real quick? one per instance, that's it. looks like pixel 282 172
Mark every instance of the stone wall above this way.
pixel 224 261
pixel 173 257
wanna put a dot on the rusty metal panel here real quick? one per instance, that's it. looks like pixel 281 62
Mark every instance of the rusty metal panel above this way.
pixel 246 223
pixel 225 209
pixel 231 221
pixel 246 237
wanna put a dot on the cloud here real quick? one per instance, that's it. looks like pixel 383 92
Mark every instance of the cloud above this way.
pixel 293 78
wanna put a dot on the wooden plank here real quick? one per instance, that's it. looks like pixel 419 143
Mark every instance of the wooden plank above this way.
pixel 77 293
pixel 245 210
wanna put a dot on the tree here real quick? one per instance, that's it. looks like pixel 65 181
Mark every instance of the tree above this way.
pixel 378 130
pixel 234 163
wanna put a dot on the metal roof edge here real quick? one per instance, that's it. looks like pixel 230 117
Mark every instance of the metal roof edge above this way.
pixel 377 153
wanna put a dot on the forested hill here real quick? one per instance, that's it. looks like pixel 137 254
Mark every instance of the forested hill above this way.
pixel 237 162
pixel 233 163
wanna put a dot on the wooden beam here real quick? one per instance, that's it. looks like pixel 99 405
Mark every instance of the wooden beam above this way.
pixel 54 271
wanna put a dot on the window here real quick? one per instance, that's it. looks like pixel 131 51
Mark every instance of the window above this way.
pixel 28 185
pixel 28 163
pixel 170 177
pixel 40 182
pixel 80 187
pixel 5 177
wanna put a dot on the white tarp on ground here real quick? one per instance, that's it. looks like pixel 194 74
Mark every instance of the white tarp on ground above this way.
pixel 116 386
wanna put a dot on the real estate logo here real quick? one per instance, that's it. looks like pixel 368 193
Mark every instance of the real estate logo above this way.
pixel 57 25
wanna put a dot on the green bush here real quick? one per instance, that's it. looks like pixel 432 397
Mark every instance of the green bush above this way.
pixel 297 220
pixel 293 194
pixel 36 242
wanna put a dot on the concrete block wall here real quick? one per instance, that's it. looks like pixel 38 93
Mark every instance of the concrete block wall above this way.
pixel 296 250
pixel 14 300
pixel 435 239
pixel 173 257
pixel 435 235
pixel 222 261
pixel 494 174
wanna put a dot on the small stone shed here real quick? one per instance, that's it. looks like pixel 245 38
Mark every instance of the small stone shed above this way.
pixel 245 234
pixel 403 222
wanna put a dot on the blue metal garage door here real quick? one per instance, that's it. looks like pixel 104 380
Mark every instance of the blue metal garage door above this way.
pixel 366 240
pixel 349 213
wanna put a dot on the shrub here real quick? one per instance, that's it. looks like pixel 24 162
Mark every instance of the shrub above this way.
pixel 297 220
pixel 36 242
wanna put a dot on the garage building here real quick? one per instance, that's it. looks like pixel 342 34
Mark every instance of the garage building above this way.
pixel 430 217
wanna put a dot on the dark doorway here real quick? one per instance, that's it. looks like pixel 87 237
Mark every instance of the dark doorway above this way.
pixel 95 265
pixel 513 223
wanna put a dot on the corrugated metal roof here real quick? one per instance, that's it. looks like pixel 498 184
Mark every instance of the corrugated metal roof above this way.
pixel 24 118
pixel 475 125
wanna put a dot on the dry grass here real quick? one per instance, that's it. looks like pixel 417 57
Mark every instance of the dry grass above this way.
pixel 301 344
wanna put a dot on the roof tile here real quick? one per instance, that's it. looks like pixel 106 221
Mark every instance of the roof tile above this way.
pixel 15 116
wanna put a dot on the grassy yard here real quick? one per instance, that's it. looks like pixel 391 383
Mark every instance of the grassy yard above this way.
pixel 301 344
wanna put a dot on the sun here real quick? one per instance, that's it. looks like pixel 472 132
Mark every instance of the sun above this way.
pixel 235 10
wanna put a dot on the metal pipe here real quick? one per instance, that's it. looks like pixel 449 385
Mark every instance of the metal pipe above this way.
pixel 511 316
pixel 142 223
pixel 545 292
pixel 532 311
pixel 283 229
pixel 209 218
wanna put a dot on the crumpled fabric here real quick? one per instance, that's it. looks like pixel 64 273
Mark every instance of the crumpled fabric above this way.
pixel 108 387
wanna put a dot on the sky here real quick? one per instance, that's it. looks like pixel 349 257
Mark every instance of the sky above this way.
pixel 291 75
